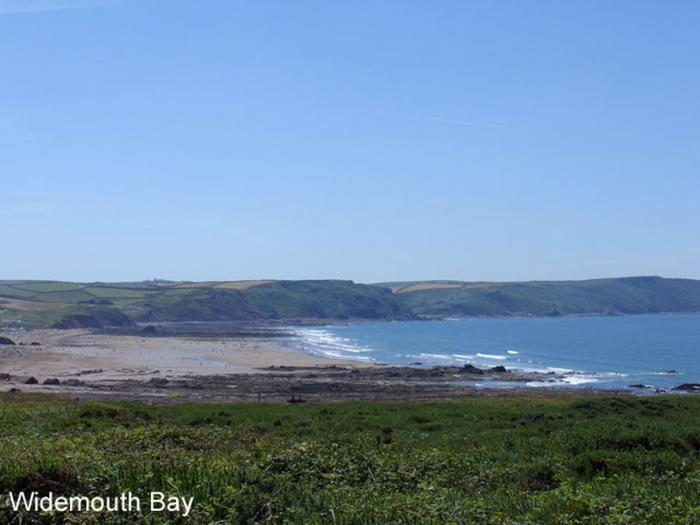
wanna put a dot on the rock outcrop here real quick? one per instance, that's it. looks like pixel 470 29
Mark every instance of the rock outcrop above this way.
pixel 688 387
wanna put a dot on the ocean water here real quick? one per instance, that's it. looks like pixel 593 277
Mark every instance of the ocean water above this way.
pixel 602 352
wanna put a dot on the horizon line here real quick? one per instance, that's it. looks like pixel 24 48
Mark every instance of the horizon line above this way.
pixel 265 280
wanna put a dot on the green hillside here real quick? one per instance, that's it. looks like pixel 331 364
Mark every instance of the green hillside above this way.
pixel 630 295
pixel 279 300
pixel 67 305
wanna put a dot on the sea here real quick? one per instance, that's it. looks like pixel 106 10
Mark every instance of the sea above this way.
pixel 658 351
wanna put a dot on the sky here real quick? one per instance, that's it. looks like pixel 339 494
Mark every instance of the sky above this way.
pixel 371 140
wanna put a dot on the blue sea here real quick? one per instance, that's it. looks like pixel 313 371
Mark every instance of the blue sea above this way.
pixel 659 351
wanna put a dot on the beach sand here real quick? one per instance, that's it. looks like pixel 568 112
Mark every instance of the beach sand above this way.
pixel 67 354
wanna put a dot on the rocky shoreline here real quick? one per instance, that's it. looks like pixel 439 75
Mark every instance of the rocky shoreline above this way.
pixel 301 384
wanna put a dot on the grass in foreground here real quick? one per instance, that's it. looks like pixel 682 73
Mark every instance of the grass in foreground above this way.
pixel 505 461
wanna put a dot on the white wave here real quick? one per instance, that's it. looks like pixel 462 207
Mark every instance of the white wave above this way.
pixel 512 352
pixel 559 370
pixel 579 380
pixel 325 343
pixel 324 338
pixel 355 350
pixel 462 356
pixel 491 356
pixel 330 353
pixel 435 356
pixel 568 380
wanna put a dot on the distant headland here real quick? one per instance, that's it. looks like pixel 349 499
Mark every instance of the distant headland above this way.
pixel 96 305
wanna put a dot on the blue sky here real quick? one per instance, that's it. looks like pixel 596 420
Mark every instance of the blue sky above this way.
pixel 368 140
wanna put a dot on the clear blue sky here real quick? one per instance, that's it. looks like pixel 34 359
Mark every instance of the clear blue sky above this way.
pixel 368 140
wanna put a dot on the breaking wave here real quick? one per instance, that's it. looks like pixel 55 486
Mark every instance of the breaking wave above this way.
pixel 492 356
pixel 322 342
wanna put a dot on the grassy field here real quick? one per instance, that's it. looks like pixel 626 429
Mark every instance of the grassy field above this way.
pixel 549 460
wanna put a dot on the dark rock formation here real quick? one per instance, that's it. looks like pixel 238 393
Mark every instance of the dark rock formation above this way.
pixel 471 369
pixel 31 381
pixel 500 369
pixel 6 341
pixel 688 387
pixel 52 381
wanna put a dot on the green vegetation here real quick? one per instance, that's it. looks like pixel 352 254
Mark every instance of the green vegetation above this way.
pixel 46 286
pixel 631 295
pixel 42 303
pixel 280 300
pixel 12 291
pixel 498 460
pixel 115 294
pixel 39 303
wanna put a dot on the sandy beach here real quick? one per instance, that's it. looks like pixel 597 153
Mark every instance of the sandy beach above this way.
pixel 67 354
